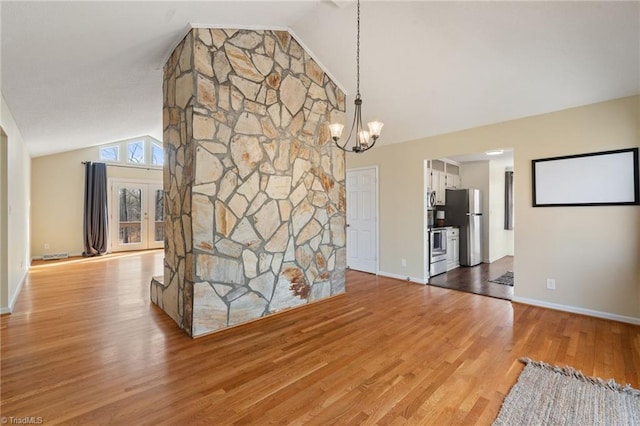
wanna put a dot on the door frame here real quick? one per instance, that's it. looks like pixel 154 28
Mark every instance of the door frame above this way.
pixel 377 210
pixel 111 182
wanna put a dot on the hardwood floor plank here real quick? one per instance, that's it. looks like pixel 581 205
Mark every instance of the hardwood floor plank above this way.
pixel 85 346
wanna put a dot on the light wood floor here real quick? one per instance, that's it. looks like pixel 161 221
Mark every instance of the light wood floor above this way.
pixel 85 346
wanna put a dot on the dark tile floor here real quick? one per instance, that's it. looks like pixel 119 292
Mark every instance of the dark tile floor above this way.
pixel 475 279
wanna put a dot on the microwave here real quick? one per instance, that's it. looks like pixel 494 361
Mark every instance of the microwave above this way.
pixel 431 199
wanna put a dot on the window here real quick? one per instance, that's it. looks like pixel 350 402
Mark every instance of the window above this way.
pixel 144 151
pixel 157 154
pixel 508 200
pixel 110 153
pixel 135 152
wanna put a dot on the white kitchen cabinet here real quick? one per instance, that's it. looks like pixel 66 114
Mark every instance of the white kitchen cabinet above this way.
pixel 438 182
pixel 453 248
pixel 440 175
pixel 453 181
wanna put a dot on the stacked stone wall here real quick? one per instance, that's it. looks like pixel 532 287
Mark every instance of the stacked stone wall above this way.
pixel 254 185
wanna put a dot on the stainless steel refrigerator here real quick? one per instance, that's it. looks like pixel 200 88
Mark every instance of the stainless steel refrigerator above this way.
pixel 463 208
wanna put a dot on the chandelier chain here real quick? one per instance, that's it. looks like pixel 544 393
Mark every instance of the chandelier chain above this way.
pixel 358 55
pixel 364 140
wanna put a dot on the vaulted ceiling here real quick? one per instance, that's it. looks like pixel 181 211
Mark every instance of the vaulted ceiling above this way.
pixel 76 74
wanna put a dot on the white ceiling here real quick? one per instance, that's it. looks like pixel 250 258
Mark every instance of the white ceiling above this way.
pixel 505 156
pixel 76 74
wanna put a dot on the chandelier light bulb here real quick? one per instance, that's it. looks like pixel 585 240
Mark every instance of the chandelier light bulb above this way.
pixel 375 127
pixel 336 130
pixel 364 137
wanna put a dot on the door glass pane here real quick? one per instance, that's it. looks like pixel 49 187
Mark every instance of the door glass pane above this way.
pixel 158 231
pixel 130 225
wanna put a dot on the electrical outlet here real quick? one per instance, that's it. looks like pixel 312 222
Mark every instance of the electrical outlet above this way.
pixel 551 284
pixel 404 263
pixel 46 246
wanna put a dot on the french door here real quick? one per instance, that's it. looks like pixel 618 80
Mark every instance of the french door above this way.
pixel 136 217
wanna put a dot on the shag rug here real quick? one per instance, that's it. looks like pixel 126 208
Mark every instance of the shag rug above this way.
pixel 506 279
pixel 549 395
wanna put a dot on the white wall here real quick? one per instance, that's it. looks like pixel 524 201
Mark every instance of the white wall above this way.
pixel 501 240
pixel 58 198
pixel 565 243
pixel 17 214
pixel 4 227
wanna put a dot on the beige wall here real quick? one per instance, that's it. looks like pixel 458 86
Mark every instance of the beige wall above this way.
pixel 592 252
pixel 16 258
pixel 57 197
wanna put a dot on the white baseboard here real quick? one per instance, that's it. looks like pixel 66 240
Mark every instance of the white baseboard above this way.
pixel 403 277
pixel 12 302
pixel 577 310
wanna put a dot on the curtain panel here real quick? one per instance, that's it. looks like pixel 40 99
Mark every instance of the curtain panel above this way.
pixel 95 209
pixel 508 200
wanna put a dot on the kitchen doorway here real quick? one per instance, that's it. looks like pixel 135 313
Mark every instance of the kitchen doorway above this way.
pixel 362 219
pixel 492 173
pixel 136 215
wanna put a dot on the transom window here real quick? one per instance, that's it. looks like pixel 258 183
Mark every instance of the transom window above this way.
pixel 140 151
pixel 110 153
pixel 157 154
pixel 135 152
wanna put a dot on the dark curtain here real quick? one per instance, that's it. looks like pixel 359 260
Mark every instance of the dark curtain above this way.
pixel 95 209
pixel 508 200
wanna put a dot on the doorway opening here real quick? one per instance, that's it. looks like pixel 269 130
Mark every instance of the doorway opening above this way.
pixel 489 176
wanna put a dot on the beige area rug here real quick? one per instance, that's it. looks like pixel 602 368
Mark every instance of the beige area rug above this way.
pixel 548 395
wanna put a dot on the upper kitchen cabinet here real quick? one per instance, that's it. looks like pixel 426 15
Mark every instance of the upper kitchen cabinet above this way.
pixel 452 175
pixel 442 174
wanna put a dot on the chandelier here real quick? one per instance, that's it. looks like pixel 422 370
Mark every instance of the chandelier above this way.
pixel 364 140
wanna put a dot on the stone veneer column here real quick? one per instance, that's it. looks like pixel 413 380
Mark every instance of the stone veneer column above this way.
pixel 254 186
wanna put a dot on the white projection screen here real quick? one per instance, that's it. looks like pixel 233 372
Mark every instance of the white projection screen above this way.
pixel 595 179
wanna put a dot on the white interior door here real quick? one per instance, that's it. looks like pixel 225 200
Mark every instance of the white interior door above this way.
pixel 362 219
pixel 137 216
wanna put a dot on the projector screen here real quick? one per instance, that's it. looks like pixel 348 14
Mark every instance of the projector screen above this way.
pixel 600 178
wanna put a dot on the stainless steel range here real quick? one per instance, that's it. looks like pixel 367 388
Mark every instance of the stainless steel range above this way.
pixel 438 251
